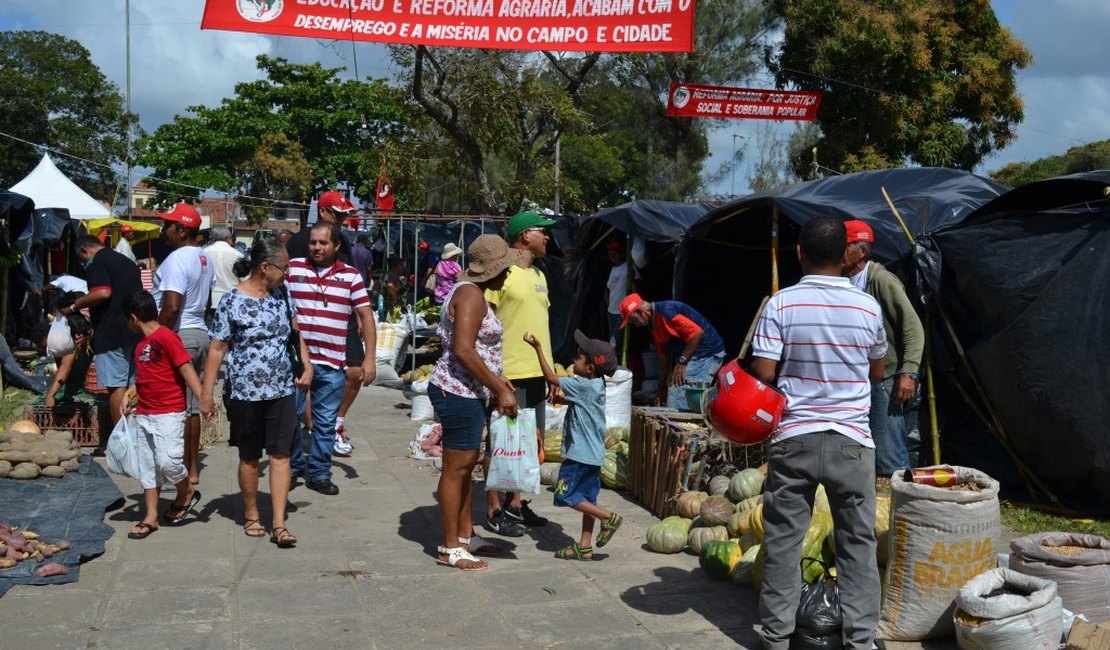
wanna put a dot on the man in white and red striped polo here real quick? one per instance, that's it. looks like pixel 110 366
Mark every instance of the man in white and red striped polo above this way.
pixel 325 292
pixel 821 342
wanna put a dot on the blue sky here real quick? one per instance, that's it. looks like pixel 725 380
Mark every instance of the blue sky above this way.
pixel 174 64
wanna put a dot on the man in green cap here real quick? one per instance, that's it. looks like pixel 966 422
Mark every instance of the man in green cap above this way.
pixel 521 305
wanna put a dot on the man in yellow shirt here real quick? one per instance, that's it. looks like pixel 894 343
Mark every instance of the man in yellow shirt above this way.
pixel 521 305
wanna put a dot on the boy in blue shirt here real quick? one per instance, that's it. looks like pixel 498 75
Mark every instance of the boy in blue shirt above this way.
pixel 583 440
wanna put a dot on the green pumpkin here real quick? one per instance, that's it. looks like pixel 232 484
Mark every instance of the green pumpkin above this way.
pixel 697 537
pixel 718 486
pixel 749 504
pixel 736 522
pixel 718 558
pixel 742 572
pixel 745 484
pixel 669 535
pixel 715 511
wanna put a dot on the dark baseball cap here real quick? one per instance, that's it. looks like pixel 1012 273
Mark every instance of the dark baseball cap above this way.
pixel 601 353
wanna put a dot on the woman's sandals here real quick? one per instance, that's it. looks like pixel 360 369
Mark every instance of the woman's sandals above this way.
pixel 283 538
pixel 458 554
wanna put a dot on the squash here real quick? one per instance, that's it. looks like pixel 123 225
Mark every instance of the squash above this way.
pixel 718 486
pixel 697 537
pixel 669 535
pixel 688 504
pixel 742 572
pixel 813 547
pixel 737 523
pixel 755 522
pixel 549 473
pixel 745 484
pixel 24 426
pixel 719 558
pixel 882 529
pixel 715 511
pixel 747 505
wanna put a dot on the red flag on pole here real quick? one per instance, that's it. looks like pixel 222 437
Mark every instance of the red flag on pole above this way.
pixel 384 195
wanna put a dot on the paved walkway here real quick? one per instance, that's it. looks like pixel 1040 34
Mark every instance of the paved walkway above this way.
pixel 364 574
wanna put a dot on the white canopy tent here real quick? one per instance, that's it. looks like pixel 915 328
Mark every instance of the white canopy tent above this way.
pixel 48 187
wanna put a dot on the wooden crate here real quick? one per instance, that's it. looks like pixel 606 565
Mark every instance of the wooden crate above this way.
pixel 668 452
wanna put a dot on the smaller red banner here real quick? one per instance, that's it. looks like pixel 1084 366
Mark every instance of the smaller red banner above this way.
pixel 690 100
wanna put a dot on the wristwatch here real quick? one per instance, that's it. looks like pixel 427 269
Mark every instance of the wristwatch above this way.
pixel 683 360
pixel 912 375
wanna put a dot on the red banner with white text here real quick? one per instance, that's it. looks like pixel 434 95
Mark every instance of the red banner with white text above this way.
pixel 690 100
pixel 558 25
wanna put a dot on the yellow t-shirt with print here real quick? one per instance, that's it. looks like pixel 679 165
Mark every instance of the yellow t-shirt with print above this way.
pixel 521 306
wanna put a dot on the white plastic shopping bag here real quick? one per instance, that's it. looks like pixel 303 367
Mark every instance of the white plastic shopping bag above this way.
pixel 514 460
pixel 122 452
pixel 59 340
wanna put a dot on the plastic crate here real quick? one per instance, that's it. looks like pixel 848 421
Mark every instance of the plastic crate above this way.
pixel 81 420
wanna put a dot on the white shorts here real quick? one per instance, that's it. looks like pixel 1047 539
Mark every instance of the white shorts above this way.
pixel 161 449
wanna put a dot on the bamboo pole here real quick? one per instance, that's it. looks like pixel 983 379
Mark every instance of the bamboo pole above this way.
pixel 751 329
pixel 774 250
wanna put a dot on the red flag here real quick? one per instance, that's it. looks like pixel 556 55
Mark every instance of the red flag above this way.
pixel 385 194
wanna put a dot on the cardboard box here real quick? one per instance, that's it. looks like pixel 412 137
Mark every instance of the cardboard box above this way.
pixel 1084 636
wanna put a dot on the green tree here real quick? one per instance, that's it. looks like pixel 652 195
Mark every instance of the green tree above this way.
pixel 928 81
pixel 1084 158
pixel 334 126
pixel 52 93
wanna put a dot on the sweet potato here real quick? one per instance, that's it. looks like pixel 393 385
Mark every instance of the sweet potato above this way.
pixel 53 471
pixel 6 563
pixel 15 456
pixel 29 534
pixel 5 468
pixel 70 465
pixel 25 471
pixel 63 545
pixel 52 569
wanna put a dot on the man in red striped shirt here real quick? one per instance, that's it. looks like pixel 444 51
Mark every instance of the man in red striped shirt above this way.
pixel 823 340
pixel 325 291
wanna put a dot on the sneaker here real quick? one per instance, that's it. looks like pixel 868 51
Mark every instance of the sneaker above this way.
pixel 524 515
pixel 343 446
pixel 502 524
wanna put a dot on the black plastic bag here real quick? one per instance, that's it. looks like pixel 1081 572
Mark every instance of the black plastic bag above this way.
pixel 818 622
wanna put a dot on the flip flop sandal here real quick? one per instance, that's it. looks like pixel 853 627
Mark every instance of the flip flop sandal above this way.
pixel 479 545
pixel 456 555
pixel 145 530
pixel 283 538
pixel 575 552
pixel 608 528
pixel 182 511
pixel 254 528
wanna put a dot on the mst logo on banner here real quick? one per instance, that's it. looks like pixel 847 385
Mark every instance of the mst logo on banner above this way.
pixel 689 100
pixel 560 25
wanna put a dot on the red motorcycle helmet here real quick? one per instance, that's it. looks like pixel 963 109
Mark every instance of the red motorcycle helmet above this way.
pixel 742 408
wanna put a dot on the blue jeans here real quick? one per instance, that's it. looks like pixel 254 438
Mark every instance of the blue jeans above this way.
pixel 327 393
pixel 615 330
pixel 888 429
pixel 700 369
pixel 795 467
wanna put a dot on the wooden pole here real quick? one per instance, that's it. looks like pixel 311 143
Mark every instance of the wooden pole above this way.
pixel 751 330
pixel 774 250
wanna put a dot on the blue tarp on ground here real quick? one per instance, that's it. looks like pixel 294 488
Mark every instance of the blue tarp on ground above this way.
pixel 70 508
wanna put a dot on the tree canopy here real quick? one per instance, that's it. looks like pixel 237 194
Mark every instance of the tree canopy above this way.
pixel 51 93
pixel 297 130
pixel 1084 158
pixel 927 81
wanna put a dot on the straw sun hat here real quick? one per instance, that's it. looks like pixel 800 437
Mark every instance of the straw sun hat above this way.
pixel 449 251
pixel 489 255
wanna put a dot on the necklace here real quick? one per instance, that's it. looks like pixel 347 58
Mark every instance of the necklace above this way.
pixel 319 287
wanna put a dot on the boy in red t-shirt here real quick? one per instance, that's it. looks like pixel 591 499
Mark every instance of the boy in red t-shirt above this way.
pixel 162 371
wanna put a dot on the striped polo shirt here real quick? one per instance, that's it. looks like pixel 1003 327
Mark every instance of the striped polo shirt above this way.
pixel 324 300
pixel 824 332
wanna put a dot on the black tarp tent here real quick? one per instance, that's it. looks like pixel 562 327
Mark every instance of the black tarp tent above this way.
pixel 724 265
pixel 656 226
pixel 1024 280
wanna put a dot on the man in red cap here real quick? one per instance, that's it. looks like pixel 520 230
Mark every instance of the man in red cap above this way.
pixel 126 234
pixel 426 266
pixel 182 288
pixel 905 336
pixel 334 207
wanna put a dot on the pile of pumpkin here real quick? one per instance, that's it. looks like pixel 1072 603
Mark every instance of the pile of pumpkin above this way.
pixel 724 528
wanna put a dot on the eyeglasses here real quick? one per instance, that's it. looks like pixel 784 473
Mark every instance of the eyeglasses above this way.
pixel 543 230
pixel 284 269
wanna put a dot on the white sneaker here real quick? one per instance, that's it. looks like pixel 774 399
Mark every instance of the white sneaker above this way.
pixel 343 446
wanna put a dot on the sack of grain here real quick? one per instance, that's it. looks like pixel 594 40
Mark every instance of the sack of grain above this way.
pixel 1078 564
pixel 1002 609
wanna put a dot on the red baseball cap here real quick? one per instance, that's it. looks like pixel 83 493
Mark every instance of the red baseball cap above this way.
pixel 614 246
pixel 126 228
pixel 424 246
pixel 630 304
pixel 332 200
pixel 182 213
pixel 859 231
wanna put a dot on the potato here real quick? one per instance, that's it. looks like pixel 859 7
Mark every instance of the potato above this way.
pixel 53 471
pixel 25 471
pixel 44 458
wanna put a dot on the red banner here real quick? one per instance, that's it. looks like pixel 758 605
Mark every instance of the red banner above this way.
pixel 689 100
pixel 559 25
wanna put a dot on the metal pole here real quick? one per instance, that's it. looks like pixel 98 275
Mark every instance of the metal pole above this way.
pixel 415 284
pixel 127 121
pixel 558 147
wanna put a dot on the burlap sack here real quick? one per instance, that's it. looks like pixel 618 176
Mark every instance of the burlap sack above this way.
pixel 939 539
pixel 1083 579
pixel 1029 619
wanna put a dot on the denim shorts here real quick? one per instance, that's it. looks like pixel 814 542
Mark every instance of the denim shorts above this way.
pixel 462 418
pixel 578 482
pixel 114 368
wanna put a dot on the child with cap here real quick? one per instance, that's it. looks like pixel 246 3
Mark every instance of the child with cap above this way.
pixel 583 440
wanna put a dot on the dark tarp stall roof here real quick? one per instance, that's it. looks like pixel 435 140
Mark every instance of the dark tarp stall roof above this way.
pixel 724 263
pixel 1028 293
pixel 657 221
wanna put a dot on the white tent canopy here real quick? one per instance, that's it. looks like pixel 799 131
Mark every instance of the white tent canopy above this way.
pixel 48 187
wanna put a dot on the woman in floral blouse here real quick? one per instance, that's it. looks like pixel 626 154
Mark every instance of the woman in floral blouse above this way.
pixel 469 373
pixel 250 328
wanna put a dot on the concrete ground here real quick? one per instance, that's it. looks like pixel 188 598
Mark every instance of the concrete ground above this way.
pixel 364 574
